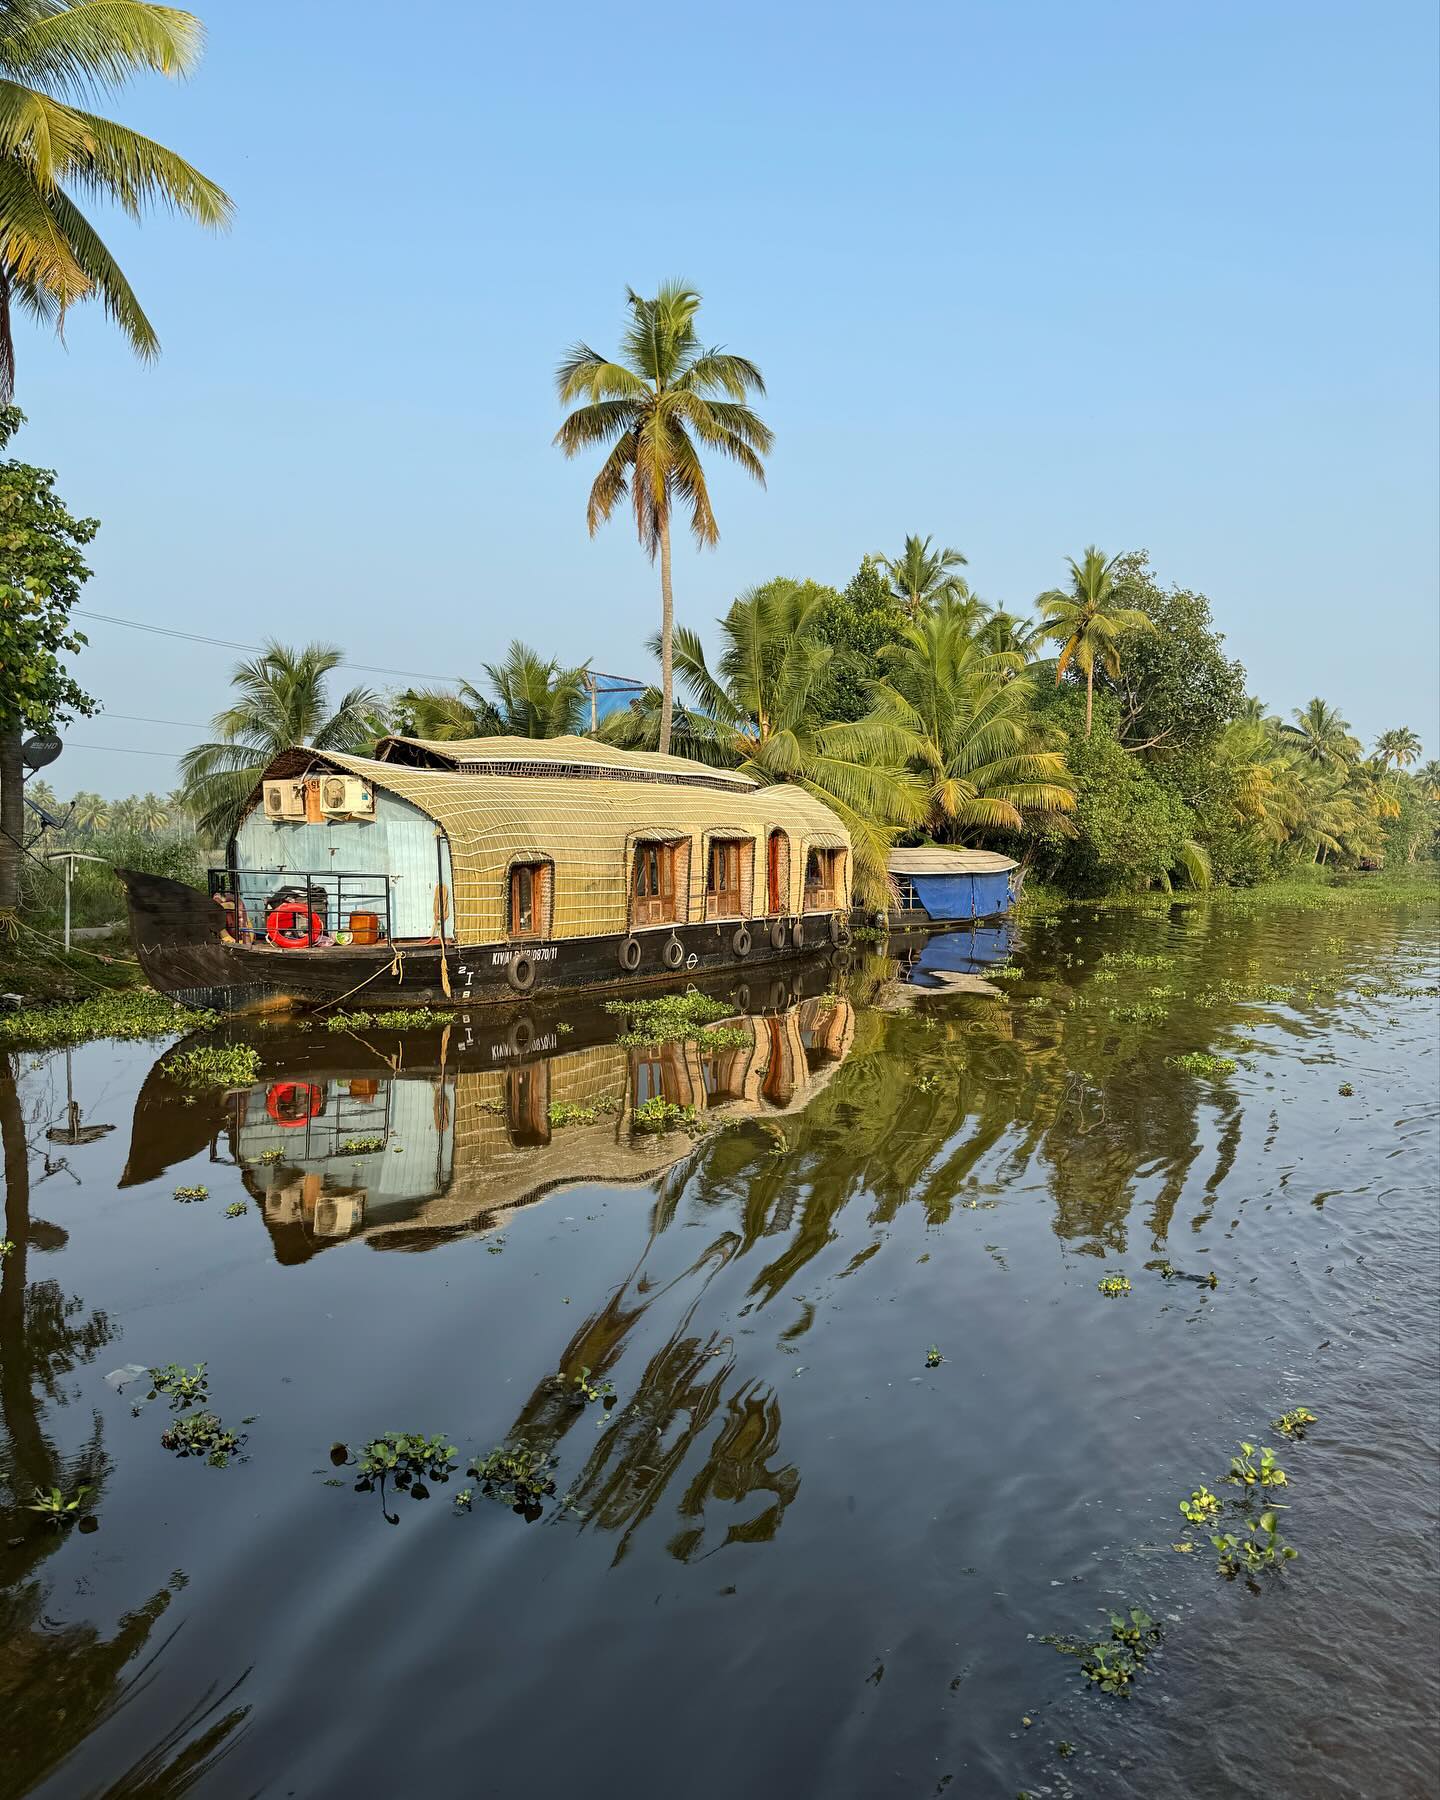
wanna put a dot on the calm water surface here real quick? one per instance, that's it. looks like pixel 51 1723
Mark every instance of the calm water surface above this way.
pixel 792 1559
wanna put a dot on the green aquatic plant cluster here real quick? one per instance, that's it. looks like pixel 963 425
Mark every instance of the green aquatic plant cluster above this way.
pixel 658 1115
pixel 580 1390
pixel 7 1245
pixel 202 1434
pixel 1202 1506
pixel 574 1112
pixel 134 1014
pixel 518 1474
pixel 1293 1424
pixel 270 1156
pixel 186 1195
pixel 1253 1468
pixel 1260 1548
pixel 1114 1286
pixel 1345 1090
pixel 933 1358
pixel 673 1017
pixel 360 1146
pixel 1196 1062
pixel 236 1209
pixel 57 1509
pixel 1135 959
pixel 214 1065
pixel 182 1387
pixel 397 1018
pixel 405 1459
pixel 870 934
pixel 1010 972
pixel 1140 1012
pixel 1112 1663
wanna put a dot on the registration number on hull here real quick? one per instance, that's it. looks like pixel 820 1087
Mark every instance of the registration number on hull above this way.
pixel 539 953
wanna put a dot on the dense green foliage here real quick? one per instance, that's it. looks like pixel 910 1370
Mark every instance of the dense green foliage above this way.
pixel 529 697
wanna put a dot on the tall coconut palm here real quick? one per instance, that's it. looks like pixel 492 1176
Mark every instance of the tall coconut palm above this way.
pixel 53 153
pixel 920 577
pixel 1428 776
pixel 1088 621
pixel 756 712
pixel 1400 746
pixel 92 812
pixel 1321 734
pixel 530 697
pixel 654 410
pixel 281 699
pixel 970 712
pixel 151 814
pixel 1007 631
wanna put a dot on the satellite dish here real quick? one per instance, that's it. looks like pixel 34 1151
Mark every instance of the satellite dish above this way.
pixel 40 751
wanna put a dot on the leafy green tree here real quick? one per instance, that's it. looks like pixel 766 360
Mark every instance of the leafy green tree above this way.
pixel 1428 778
pixel 1321 735
pixel 52 53
pixel 529 697
pixel 920 577
pixel 1401 746
pixel 1088 621
pixel 281 699
pixel 755 711
pixel 856 623
pixel 971 714
pixel 1176 687
pixel 42 572
pixel 654 410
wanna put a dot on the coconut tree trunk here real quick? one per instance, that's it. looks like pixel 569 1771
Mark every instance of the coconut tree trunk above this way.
pixel 12 822
pixel 667 637
pixel 1089 698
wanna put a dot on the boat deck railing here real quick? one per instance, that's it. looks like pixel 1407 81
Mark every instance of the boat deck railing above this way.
pixel 344 901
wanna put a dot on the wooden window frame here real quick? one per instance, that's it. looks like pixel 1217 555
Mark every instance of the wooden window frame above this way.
pixel 658 862
pixel 828 894
pixel 727 902
pixel 542 893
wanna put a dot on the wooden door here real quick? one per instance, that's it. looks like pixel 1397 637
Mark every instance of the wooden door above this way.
pixel 772 874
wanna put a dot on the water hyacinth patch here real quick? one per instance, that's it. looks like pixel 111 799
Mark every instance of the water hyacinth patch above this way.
pixel 517 1474
pixel 580 1390
pixel 1113 1287
pixel 360 1146
pixel 659 1115
pixel 1292 1424
pixel 182 1387
pixel 236 1209
pixel 56 1509
pixel 1262 1548
pixel 1196 1062
pixel 407 1459
pixel 1202 1506
pixel 933 1358
pixel 185 1195
pixel 214 1065
pixel 1255 1470
pixel 202 1434
pixel 137 1014
pixel 1112 1664
pixel 572 1112
pixel 399 1018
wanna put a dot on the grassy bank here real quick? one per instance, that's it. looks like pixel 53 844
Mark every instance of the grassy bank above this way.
pixel 35 966
pixel 1309 890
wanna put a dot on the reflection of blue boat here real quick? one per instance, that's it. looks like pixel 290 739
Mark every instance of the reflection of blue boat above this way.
pixel 942 887
pixel 964 952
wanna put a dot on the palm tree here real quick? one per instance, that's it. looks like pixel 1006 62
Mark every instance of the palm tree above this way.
pixel 755 712
pixel 921 577
pixel 1428 776
pixel 280 700
pixel 51 256
pixel 653 410
pixel 1088 620
pixel 1400 746
pixel 532 698
pixel 151 814
pixel 92 813
pixel 971 714
pixel 1007 631
pixel 1321 734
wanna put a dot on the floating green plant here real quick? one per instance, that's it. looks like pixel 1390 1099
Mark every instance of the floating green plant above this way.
pixel 186 1194
pixel 1293 1424
pixel 7 1245
pixel 1196 1062
pixel 360 1146
pixel 1113 1286
pixel 580 1390
pixel 1008 973
pixel 1112 1663
pixel 1135 959
pixel 574 1112
pixel 870 934
pixel 58 1510
pixel 1142 1012
pixel 139 1014
pixel 1202 1506
pixel 1254 1469
pixel 1262 1547
pixel 670 1017
pixel 236 1209
pixel 933 1358
pixel 182 1387
pixel 659 1115
pixel 214 1065
pixel 1346 1090
pixel 399 1018
pixel 270 1156
pixel 405 1458
pixel 464 1499
pixel 202 1434
pixel 518 1474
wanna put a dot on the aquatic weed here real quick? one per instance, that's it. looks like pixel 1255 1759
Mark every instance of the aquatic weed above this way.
pixel 182 1387
pixel 360 1146
pixel 1112 1664
pixel 580 1390
pixel 399 1018
pixel 518 1474
pixel 406 1458
pixel 1202 1506
pixel 214 1065
pixel 53 1506
pixel 667 1018
pixel 933 1358
pixel 185 1195
pixel 659 1115
pixel 1293 1424
pixel 235 1209
pixel 202 1434
pixel 1254 1469
pixel 1196 1062
pixel 1114 1286
pixel 137 1014
pixel 1263 1548
pixel 574 1112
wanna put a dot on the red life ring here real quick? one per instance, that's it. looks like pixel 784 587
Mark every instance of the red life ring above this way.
pixel 293 928
pixel 291 1103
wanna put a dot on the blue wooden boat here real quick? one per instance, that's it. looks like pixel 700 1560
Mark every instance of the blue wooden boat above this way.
pixel 939 886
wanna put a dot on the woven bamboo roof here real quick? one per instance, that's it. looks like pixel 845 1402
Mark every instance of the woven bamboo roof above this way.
pixel 586 828
pixel 578 754
pixel 932 860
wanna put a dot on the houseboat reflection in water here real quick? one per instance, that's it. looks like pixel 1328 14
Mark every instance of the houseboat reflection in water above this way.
pixel 424 1150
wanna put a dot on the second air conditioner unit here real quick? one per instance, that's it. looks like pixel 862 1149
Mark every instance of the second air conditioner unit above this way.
pixel 284 799
pixel 346 797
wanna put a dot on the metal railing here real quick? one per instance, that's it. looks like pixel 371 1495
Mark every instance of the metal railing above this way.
pixel 332 895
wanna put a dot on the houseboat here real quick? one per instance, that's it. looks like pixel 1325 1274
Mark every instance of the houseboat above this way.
pixel 486 869
pixel 938 886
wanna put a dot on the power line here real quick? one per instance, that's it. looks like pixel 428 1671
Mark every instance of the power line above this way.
pixel 194 637
pixel 125 750
pixel 141 719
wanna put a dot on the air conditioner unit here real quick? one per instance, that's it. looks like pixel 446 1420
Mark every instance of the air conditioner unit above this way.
pixel 343 796
pixel 284 799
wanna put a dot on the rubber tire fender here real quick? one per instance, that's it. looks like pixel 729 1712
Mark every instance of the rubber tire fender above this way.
pixel 520 972
pixel 741 941
pixel 797 932
pixel 779 933
pixel 673 955
pixel 630 954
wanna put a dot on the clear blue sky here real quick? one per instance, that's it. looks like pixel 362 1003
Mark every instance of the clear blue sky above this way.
pixel 1023 276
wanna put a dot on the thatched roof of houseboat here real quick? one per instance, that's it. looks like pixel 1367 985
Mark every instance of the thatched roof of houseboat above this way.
pixel 931 859
pixel 586 828
pixel 577 756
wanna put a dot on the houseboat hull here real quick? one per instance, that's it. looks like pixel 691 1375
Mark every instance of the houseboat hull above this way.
pixel 177 934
